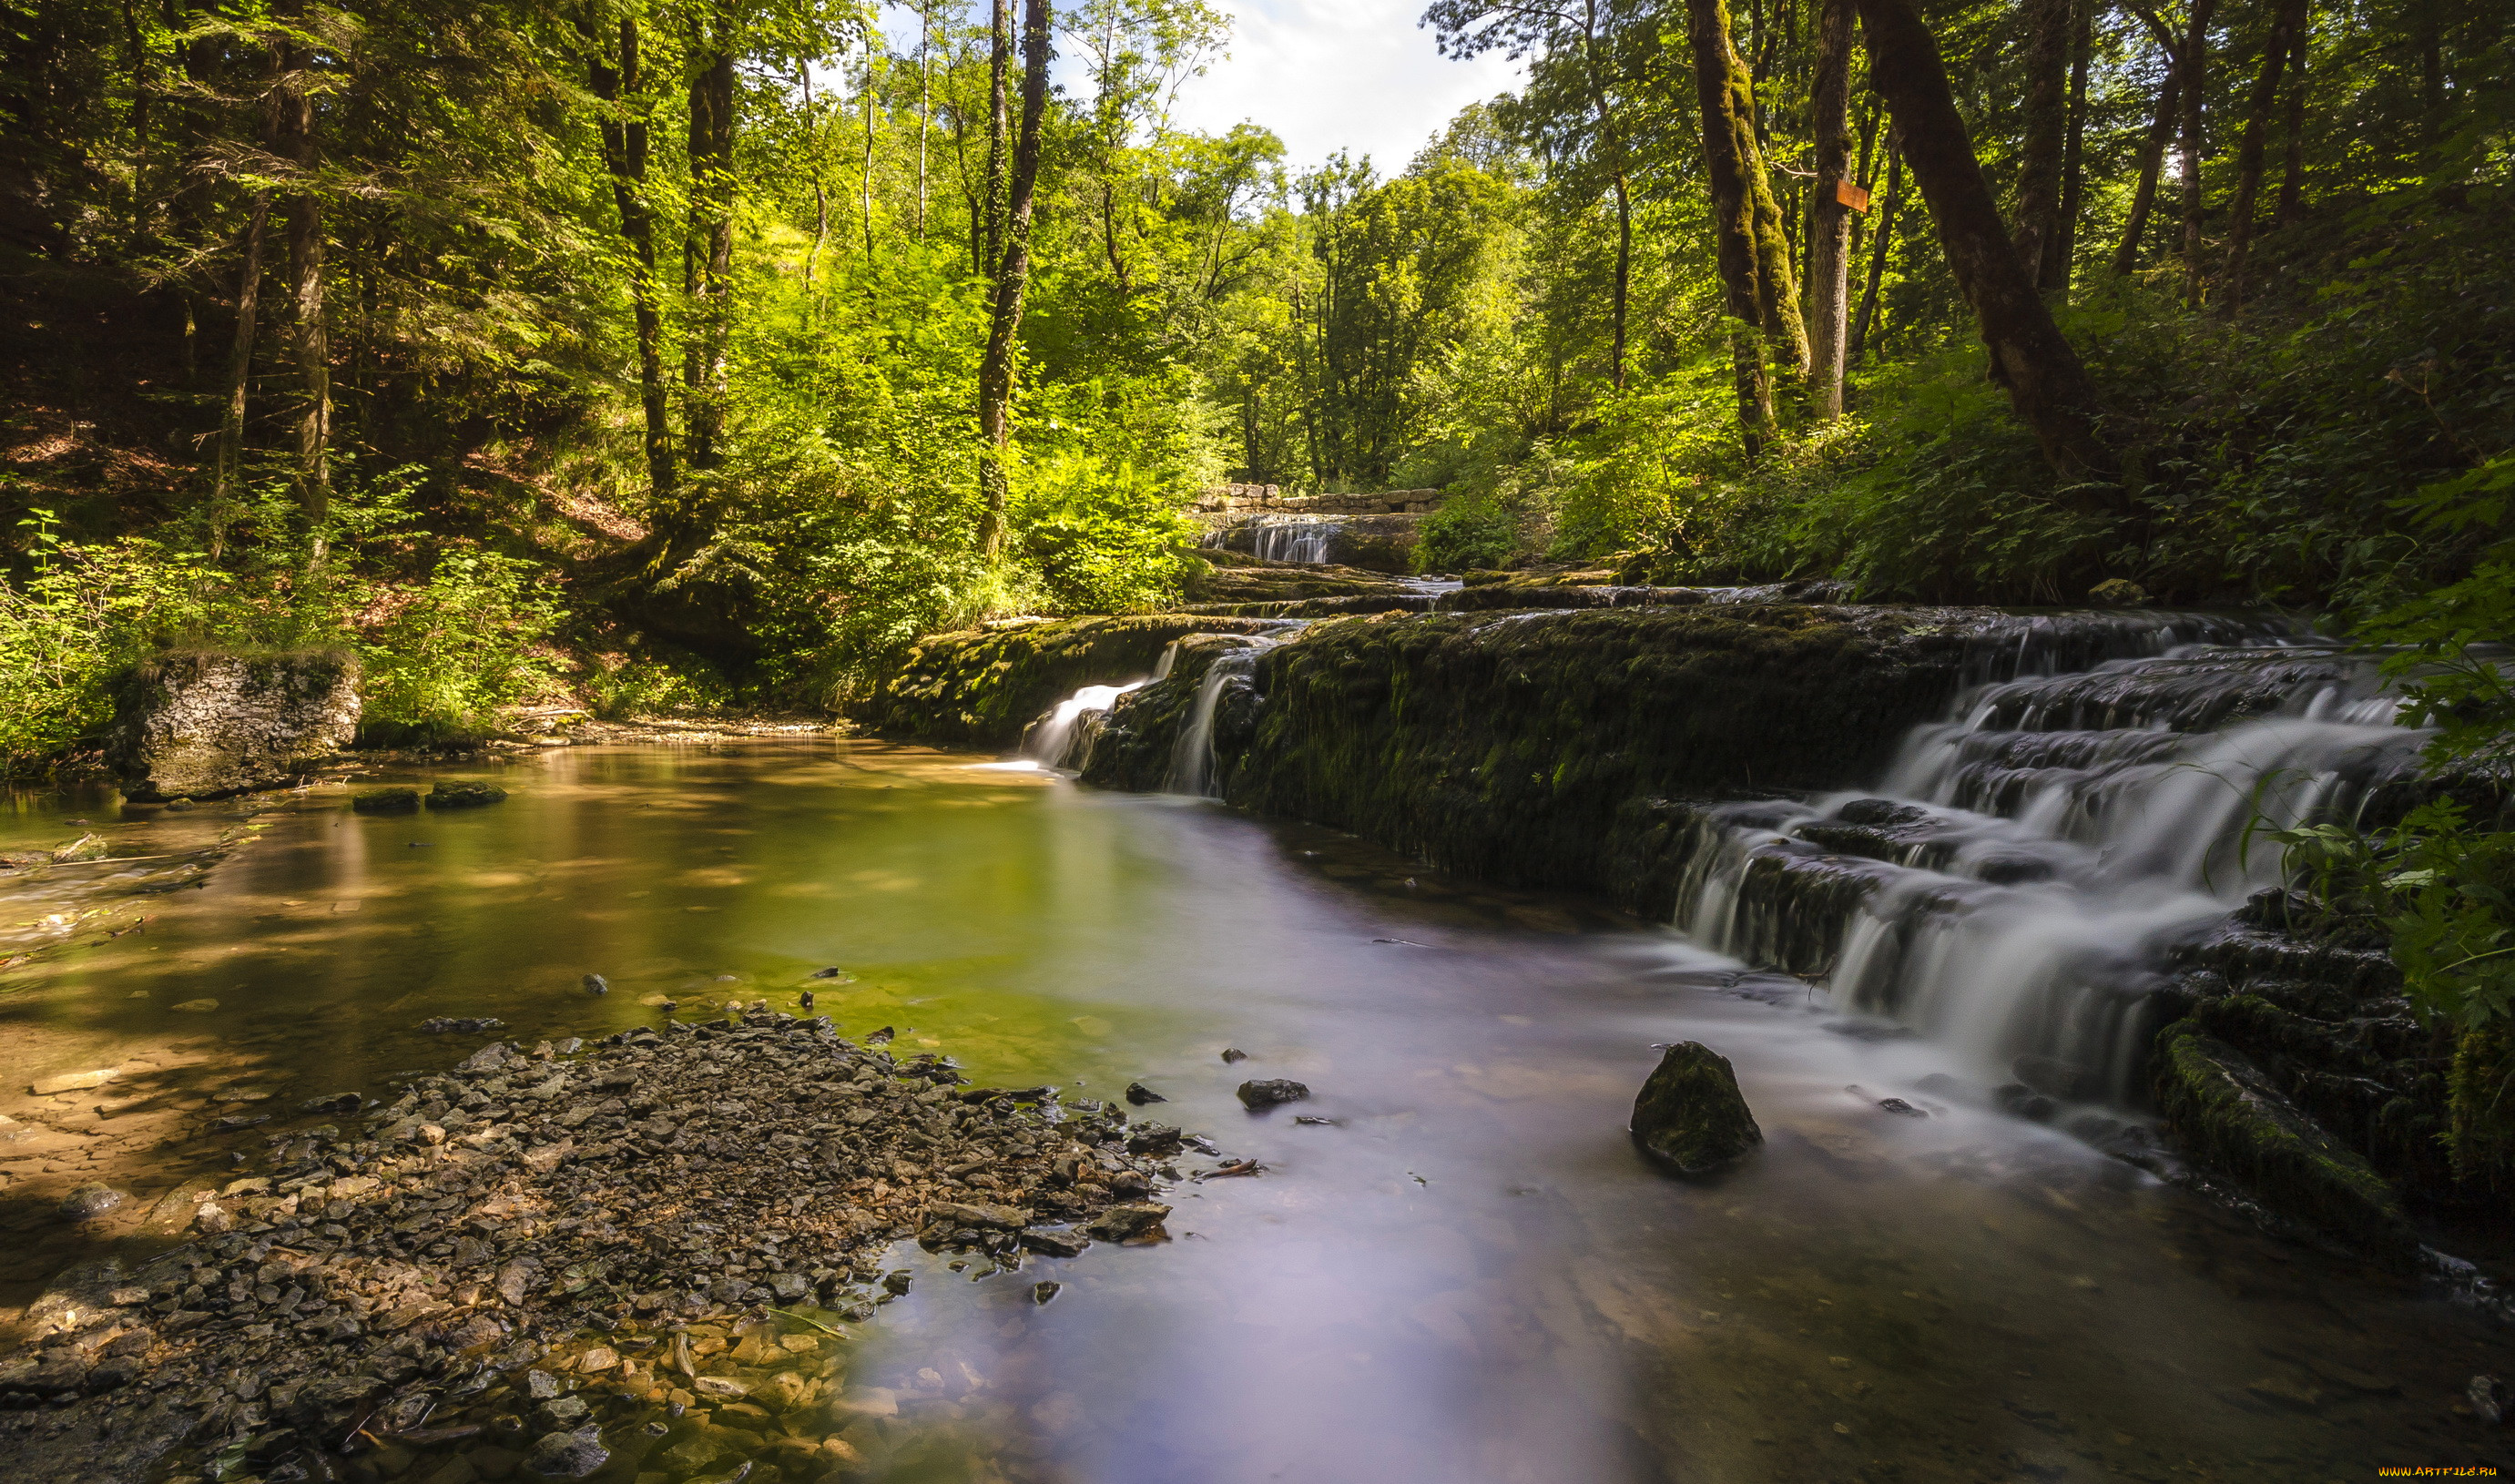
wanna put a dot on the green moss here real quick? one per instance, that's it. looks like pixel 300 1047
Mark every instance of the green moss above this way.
pixel 980 688
pixel 1690 1115
pixel 2233 1120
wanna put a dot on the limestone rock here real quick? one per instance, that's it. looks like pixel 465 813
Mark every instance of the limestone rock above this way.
pixel 464 796
pixel 206 724
pixel 1690 1115
pixel 1266 1093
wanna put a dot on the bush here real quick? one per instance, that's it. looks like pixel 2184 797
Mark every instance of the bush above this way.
pixel 1470 530
pixel 446 656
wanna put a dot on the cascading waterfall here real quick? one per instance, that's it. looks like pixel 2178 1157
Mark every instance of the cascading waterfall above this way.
pixel 1293 538
pixel 2009 890
pixel 1192 755
pixel 1052 740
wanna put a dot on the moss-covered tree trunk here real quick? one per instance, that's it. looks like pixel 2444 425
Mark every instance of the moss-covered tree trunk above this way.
pixel 2061 247
pixel 1012 281
pixel 1754 255
pixel 2030 358
pixel 1828 219
pixel 707 250
pixel 2191 143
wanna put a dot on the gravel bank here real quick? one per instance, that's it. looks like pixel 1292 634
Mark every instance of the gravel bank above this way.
pixel 610 1263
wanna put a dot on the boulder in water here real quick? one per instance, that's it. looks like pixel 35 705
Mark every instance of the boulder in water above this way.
pixel 1690 1115
pixel 2231 1117
pixel 1265 1092
pixel 464 796
pixel 385 800
pixel 205 724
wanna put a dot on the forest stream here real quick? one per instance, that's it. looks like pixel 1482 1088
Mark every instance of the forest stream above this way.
pixel 1457 1269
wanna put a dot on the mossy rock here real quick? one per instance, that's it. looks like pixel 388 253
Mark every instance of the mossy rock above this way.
pixel 464 796
pixel 2233 1120
pixel 1690 1115
pixel 2480 1103
pixel 385 800
pixel 980 688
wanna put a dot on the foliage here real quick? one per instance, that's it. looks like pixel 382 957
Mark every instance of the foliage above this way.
pixel 1469 531
pixel 446 655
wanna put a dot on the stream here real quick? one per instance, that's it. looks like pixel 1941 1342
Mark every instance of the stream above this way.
pixel 1469 1274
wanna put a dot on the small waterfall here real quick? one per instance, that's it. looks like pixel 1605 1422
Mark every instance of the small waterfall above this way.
pixel 1051 740
pixel 1293 538
pixel 2010 888
pixel 1192 755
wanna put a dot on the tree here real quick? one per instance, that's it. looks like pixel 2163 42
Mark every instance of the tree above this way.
pixel 1754 256
pixel 1012 281
pixel 1829 219
pixel 2047 133
pixel 2030 358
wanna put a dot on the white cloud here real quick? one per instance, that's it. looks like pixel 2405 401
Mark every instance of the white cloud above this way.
pixel 1357 75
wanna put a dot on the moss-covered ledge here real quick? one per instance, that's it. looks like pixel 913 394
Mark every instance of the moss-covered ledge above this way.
pixel 979 687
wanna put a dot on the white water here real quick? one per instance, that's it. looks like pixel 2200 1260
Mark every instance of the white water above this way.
pixel 1192 755
pixel 1293 538
pixel 1051 738
pixel 2048 844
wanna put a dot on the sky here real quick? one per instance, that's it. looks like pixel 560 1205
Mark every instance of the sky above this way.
pixel 1357 75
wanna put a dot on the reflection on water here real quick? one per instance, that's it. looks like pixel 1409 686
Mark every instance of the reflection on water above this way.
pixel 1469 1275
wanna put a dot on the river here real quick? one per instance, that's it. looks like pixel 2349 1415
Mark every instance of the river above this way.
pixel 1467 1275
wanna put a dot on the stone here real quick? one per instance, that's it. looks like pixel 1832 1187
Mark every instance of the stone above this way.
pixel 1690 1115
pixel 2234 1119
pixel 1041 1292
pixel 2490 1401
pixel 1267 1092
pixel 90 1201
pixel 73 1081
pixel 385 800
pixel 438 1025
pixel 2118 593
pixel 1153 1138
pixel 561 1412
pixel 464 796
pixel 790 1288
pixel 2055 1078
pixel 956 1214
pixel 1232 1053
pixel 2016 1098
pixel 203 723
pixel 1122 1224
pixel 541 1386
pixel 337 1102
pixel 568 1454
pixel 721 1385
pixel 1055 1244
pixel 595 984
pixel 85 848
pixel 1140 1095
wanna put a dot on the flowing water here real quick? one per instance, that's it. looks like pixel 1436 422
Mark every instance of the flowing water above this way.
pixel 1467 1276
pixel 2011 887
pixel 1285 538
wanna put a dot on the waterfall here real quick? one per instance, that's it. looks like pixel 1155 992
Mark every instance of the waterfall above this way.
pixel 1293 538
pixel 1192 755
pixel 1051 740
pixel 2011 889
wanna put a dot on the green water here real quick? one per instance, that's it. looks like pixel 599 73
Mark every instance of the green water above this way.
pixel 1471 1277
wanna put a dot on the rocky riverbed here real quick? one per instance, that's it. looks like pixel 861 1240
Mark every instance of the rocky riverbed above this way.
pixel 626 1258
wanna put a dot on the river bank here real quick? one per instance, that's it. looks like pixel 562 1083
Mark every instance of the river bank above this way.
pixel 400 1297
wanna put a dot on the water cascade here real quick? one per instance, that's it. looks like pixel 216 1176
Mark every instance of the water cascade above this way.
pixel 1192 755
pixel 1052 740
pixel 2011 889
pixel 1293 538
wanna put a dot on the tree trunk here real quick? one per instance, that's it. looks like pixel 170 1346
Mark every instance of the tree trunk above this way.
pixel 2152 163
pixel 1618 306
pixel 1013 280
pixel 925 108
pixel 1885 239
pixel 625 144
pixel 295 138
pixel 2285 24
pixel 2196 92
pixel 868 156
pixel 2030 358
pixel 707 253
pixel 229 472
pixel 2291 197
pixel 999 61
pixel 2061 247
pixel 1754 256
pixel 2047 130
pixel 1611 138
pixel 1828 219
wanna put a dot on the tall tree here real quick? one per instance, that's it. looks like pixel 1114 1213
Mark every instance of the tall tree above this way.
pixel 2061 247
pixel 1754 255
pixel 2030 358
pixel 2286 21
pixel 706 245
pixel 1829 219
pixel 2152 164
pixel 2292 195
pixel 1012 281
pixel 2046 139
pixel 1884 207
pixel 2190 142
pixel 618 84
